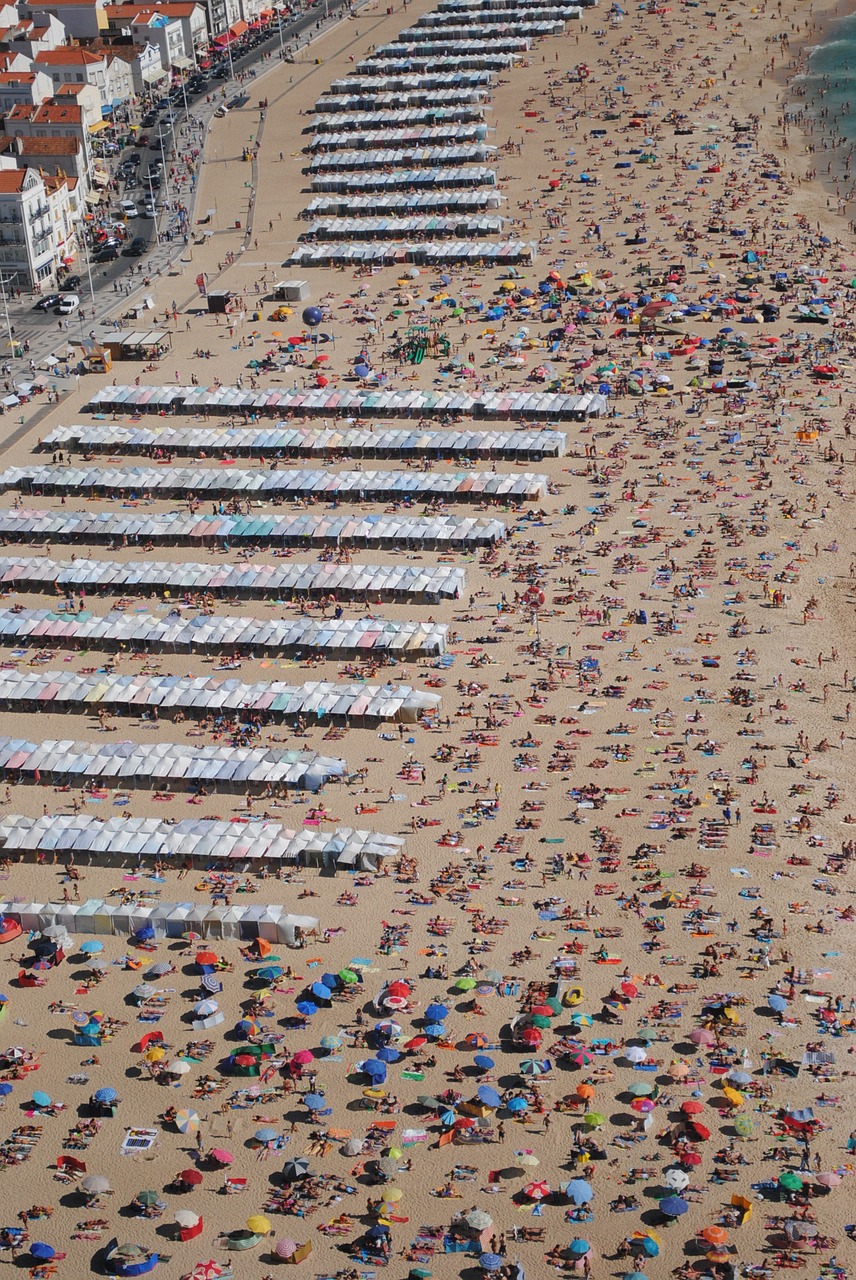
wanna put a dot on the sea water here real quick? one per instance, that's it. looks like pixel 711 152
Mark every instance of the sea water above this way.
pixel 830 78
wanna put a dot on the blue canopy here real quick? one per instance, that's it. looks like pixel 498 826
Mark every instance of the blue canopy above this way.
pixel 436 1013
pixel 488 1096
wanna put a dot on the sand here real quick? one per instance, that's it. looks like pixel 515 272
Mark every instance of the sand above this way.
pixel 691 508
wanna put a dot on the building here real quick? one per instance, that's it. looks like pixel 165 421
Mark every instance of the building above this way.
pixel 27 257
pixel 81 19
pixel 70 64
pixel 27 88
pixel 29 36
pixel 190 13
pixel 149 25
pixel 63 117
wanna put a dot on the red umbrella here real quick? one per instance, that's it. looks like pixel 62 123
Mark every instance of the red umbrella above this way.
pixel 245 1060
pixel 321 381
pixel 416 1043
pixel 536 1190
pixel 190 1176
pixel 543 1011
pixel 398 988
pixel 464 1122
pixel 691 1108
pixel 629 989
pixel 303 1057
pixel 701 1131
pixel 206 957
pixel 530 1035
pixel 690 1158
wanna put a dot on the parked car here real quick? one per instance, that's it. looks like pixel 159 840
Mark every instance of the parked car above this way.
pixel 48 301
pixel 109 253
pixel 68 302
pixel 138 246
pixel 129 208
pixel 72 283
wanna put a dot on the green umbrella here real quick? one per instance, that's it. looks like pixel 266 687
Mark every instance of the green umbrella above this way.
pixel 554 1004
pixel 147 1197
pixel 348 976
pixel 540 1021
pixel 465 984
pixel 594 1118
pixel 744 1126
pixel 642 1090
pixel 790 1181
pixel 647 1033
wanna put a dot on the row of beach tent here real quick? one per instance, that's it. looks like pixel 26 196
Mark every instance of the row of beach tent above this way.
pixel 422 225
pixel 168 920
pixel 366 98
pixel 284 439
pixel 399 87
pixel 415 136
pixel 252 839
pixel 209 695
pixel 134 764
pixel 179 528
pixel 383 486
pixel 363 403
pixel 444 252
pixel 341 119
pixel 427 584
pixel 218 633
pixel 405 179
pixel 421 157
pixel 395 203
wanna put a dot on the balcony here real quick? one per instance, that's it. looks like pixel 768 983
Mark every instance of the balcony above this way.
pixel 41 212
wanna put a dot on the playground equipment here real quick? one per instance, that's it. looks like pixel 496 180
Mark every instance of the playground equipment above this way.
pixel 423 339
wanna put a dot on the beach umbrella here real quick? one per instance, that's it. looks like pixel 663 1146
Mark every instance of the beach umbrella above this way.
pixel 734 1096
pixel 44 1252
pixel 314 1101
pixel 320 992
pixel 96 1184
pixel 448 1118
pixel 744 1205
pixel 387 1054
pixel 678 1070
pixel 221 1155
pixel 105 1095
pixel 210 982
pixel 295 1168
pixel 690 1159
pixel 777 1003
pixel 739 1077
pixel 375 1070
pixel 586 1091
pixel 146 934
pixel 40 1098
pixel 465 984
pixel 186 1217
pixel 526 1160
pixel 643 1106
pixel 700 1131
pixel 532 1067
pixel 347 976
pixel 581 1020
pixel 635 1054
pixel 436 1013
pixel 187 1121
pixel 303 1057
pixel 265 1134
pixel 790 1181
pixel 190 1177
pixel 476 1040
pixel 258 1224
pixel 579 1247
pixel 673 1206
pixel 488 1096
pixel 285 1248
pixel 827 1179
pixel 478 1220
pixel 270 973
pixel 649 1246
pixel 5 1089
pixel 594 1119
pixel 676 1179
pixel 540 1021
pixel 516 1105
pixel 392 1195
pixel 744 1126
pixel 331 1042
pixel 90 947
pixel 536 1190
pixel 491 1262
pixel 635 1275
pixel 717 1236
pixel 388 1027
pixel 204 1008
pixel 147 1197
pixel 582 1058
pixel 702 1036
pixel 642 1089
pixel 435 1030
pixel 178 1067
pixel 579 1191
pixel 483 1062
pixel 692 1108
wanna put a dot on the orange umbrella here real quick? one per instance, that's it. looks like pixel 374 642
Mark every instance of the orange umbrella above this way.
pixel 715 1235
pixel 586 1091
pixel 206 957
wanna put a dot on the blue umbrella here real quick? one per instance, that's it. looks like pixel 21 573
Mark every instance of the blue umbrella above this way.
pixel 145 934
pixel 377 1232
pixel 375 1070
pixel 246 1027
pixel 490 1262
pixel 436 1013
pixel 579 1247
pixel 314 1101
pixel 211 982
pixel 673 1206
pixel 41 1099
pixel 483 1062
pixel 90 948
pixel 635 1275
pixel 42 1251
pixel 579 1191
pixel 777 1003
pixel 265 1135
pixel 320 992
pixel 448 1118
pixel 270 973
pixel 435 1029
pixel 517 1104
pixel 650 1247
pixel 388 1054
pixel 105 1095
pixel 307 1008
pixel 330 980
pixel 488 1096
pixel 5 1089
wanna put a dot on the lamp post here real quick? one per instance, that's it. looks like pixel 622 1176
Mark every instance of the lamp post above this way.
pixel 4 280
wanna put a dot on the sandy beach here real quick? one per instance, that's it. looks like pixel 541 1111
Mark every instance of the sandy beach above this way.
pixel 604 990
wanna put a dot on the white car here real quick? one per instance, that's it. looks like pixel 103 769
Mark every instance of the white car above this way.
pixel 129 209
pixel 150 209
pixel 68 302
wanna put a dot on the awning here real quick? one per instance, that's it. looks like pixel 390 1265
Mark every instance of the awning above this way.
pixel 182 63
pixel 99 126
pixel 238 28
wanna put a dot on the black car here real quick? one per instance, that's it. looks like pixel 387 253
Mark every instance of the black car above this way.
pixel 108 254
pixel 149 119
pixel 138 246
pixel 50 300
pixel 71 284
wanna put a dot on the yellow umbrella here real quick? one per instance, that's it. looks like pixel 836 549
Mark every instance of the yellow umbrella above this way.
pixel 729 1013
pixel 392 1195
pixel 734 1096
pixel 374 1093
pixel 507 286
pixel 744 1205
pixel 258 1224
pixel 154 1054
